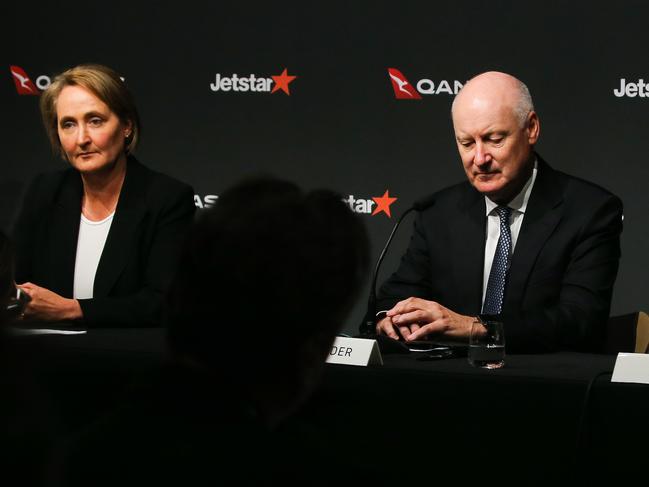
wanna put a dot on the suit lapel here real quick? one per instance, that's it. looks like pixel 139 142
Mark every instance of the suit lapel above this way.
pixel 122 238
pixel 469 243
pixel 64 233
pixel 544 212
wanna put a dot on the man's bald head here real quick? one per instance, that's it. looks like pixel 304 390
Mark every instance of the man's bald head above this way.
pixel 494 87
pixel 496 128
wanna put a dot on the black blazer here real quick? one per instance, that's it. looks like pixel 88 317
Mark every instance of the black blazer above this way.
pixel 562 272
pixel 138 260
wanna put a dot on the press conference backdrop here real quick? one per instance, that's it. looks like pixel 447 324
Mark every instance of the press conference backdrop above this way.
pixel 301 90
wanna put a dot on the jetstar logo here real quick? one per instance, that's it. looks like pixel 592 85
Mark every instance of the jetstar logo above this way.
pixel 403 90
pixel 24 85
pixel 253 83
pixel 373 205
pixel 631 90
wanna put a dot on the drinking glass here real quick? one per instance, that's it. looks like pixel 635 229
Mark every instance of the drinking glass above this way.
pixel 487 344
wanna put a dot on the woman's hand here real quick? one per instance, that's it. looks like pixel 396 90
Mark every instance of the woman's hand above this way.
pixel 46 305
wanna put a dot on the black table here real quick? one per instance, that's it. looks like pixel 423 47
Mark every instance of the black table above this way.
pixel 551 416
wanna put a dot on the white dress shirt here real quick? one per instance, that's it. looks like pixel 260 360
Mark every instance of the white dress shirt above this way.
pixel 518 206
pixel 90 245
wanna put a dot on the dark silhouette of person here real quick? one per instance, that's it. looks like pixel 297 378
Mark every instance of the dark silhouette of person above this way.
pixel 7 283
pixel 264 283
pixel 28 425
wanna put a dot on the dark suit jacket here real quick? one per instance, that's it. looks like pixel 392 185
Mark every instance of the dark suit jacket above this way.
pixel 138 260
pixel 560 282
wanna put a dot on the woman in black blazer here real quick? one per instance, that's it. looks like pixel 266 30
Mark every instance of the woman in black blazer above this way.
pixel 98 241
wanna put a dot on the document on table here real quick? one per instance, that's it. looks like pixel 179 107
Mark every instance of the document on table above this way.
pixel 47 331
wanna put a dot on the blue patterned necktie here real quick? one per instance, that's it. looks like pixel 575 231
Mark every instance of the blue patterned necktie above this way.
pixel 493 300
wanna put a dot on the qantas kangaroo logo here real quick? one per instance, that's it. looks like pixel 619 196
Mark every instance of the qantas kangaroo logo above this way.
pixel 24 85
pixel 403 90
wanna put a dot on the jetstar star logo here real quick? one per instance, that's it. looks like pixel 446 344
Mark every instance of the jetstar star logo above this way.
pixel 383 204
pixel 253 83
pixel 403 90
pixel 282 81
pixel 373 205
pixel 24 85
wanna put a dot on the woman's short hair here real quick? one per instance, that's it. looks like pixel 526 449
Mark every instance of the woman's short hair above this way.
pixel 105 84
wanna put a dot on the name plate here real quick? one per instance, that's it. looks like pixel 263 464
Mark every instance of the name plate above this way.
pixel 631 367
pixel 355 351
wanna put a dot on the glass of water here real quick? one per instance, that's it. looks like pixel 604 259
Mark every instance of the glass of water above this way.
pixel 487 344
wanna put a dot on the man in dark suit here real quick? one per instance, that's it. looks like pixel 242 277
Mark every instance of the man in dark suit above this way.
pixel 534 246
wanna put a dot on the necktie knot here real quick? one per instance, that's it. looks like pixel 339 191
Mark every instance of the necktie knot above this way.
pixel 504 212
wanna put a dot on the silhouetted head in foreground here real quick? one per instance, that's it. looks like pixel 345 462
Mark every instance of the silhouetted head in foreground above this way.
pixel 265 282
pixel 7 284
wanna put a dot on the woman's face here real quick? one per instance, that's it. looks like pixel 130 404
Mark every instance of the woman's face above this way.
pixel 91 135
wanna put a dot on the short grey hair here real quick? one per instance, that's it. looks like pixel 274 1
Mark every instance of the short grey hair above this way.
pixel 524 104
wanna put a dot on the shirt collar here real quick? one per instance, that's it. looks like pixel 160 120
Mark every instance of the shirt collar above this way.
pixel 519 203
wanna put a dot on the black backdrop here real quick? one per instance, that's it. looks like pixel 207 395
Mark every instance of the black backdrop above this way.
pixel 341 126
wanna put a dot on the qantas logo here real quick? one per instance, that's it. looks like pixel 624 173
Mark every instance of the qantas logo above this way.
pixel 253 83
pixel 207 201
pixel 403 90
pixel 24 85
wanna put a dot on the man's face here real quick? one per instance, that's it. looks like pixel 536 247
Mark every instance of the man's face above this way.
pixel 496 151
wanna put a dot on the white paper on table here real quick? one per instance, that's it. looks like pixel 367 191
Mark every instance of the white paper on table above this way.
pixel 47 331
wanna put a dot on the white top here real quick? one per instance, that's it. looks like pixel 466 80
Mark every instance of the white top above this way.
pixel 90 245
pixel 518 206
